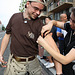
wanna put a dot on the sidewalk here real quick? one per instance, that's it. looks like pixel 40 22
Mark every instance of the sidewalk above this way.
pixel 47 71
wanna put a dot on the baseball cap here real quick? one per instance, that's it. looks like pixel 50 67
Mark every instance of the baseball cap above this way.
pixel 42 1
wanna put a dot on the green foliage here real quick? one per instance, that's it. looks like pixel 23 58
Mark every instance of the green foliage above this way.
pixel 3 28
pixel 22 6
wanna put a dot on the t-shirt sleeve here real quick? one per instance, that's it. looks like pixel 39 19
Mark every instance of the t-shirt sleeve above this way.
pixel 52 30
pixel 9 25
pixel 58 30
pixel 40 27
pixel 67 26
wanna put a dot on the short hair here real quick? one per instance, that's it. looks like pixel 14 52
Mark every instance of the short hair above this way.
pixel 73 10
pixel 49 18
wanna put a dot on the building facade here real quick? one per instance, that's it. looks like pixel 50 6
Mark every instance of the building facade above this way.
pixel 56 7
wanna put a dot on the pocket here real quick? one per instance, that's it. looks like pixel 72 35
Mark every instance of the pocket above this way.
pixel 35 68
pixel 36 71
pixel 17 68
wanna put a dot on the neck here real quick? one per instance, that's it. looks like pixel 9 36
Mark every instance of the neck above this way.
pixel 64 21
pixel 25 15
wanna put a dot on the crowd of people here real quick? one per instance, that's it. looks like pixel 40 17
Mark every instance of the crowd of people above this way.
pixel 29 35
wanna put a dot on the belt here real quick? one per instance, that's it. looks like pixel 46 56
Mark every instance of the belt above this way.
pixel 23 59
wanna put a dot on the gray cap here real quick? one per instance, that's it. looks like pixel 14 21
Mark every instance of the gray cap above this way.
pixel 42 2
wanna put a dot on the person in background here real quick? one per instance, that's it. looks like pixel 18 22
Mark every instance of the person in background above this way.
pixel 41 52
pixel 23 29
pixel 0 22
pixel 60 35
pixel 69 59
pixel 50 63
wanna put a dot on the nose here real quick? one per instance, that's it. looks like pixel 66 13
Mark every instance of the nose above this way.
pixel 38 12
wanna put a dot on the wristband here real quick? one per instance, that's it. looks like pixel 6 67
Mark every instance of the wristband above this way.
pixel 59 74
pixel 46 34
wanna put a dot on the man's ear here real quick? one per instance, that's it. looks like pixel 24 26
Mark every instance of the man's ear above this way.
pixel 27 4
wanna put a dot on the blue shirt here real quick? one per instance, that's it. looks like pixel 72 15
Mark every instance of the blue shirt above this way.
pixel 60 31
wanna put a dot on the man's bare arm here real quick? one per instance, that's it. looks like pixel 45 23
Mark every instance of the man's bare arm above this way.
pixel 4 44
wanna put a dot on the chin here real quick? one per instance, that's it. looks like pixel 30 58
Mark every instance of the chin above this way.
pixel 34 17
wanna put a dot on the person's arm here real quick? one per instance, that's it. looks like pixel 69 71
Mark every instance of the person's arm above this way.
pixel 50 25
pixel 59 57
pixel 59 34
pixel 58 65
pixel 4 44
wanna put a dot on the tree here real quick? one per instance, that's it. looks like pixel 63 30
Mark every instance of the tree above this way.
pixel 3 28
pixel 22 5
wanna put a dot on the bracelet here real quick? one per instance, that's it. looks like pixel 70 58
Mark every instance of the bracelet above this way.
pixel 46 34
pixel 59 74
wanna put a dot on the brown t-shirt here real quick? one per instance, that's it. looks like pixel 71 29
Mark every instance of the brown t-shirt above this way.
pixel 24 34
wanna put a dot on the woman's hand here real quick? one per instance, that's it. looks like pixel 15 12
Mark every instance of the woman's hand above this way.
pixel 40 41
pixel 47 27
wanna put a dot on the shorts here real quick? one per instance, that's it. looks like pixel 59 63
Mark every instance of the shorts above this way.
pixel 21 68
